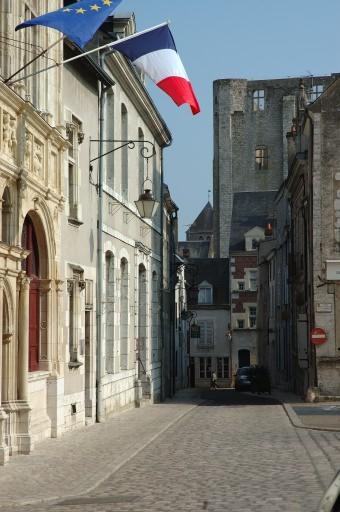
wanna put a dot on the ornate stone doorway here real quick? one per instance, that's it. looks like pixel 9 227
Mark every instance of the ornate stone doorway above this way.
pixel 32 268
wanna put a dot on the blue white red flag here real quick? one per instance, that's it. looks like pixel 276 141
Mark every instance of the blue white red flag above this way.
pixel 78 21
pixel 154 53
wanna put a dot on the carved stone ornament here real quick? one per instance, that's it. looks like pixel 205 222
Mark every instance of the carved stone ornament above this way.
pixel 37 158
pixel 70 286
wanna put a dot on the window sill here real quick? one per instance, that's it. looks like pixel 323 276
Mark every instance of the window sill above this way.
pixel 75 222
pixel 74 364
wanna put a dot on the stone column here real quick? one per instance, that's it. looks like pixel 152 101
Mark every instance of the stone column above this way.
pixel 23 338
pixel 4 452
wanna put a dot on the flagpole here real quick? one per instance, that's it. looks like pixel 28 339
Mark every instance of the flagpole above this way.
pixel 81 55
pixel 33 60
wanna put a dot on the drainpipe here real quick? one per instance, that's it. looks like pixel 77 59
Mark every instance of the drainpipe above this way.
pixel 100 416
pixel 163 373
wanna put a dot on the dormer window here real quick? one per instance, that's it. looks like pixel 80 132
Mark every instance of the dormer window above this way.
pixel 205 293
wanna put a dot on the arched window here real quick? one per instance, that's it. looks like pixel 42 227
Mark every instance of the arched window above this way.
pixel 124 313
pixel 140 161
pixel 205 293
pixel 110 135
pixel 124 153
pixel 109 301
pixel 142 320
pixel 6 217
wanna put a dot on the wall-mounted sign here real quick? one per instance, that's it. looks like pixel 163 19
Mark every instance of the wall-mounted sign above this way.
pixel 324 308
pixel 333 270
pixel 318 336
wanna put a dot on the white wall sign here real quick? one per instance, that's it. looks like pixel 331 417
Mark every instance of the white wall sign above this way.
pixel 324 308
pixel 333 270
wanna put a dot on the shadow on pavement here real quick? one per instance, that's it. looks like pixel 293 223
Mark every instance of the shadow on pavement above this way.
pixel 223 397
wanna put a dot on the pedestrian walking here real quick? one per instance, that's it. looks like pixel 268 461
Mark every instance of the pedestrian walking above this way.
pixel 213 381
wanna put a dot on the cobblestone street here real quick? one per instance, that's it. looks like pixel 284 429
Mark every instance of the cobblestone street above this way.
pixel 232 452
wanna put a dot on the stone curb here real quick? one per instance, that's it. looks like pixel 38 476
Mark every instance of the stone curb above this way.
pixel 54 500
pixel 295 420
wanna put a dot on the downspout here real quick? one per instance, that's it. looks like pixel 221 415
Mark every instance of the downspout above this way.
pixel 162 283
pixel 99 303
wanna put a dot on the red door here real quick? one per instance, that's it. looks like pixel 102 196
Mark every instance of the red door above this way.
pixel 34 321
pixel 31 266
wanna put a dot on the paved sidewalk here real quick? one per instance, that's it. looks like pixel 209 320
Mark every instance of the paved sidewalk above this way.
pixel 78 461
pixel 316 416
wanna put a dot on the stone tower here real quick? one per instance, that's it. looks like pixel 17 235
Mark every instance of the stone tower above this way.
pixel 251 120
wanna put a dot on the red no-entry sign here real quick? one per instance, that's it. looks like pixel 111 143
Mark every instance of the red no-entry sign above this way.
pixel 318 336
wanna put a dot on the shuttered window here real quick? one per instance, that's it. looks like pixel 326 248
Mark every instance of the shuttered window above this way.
pixel 206 338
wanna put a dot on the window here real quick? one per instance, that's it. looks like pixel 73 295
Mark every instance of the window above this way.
pixel 222 367
pixel 240 324
pixel 206 334
pixel 124 154
pixel 258 100
pixel 241 286
pixel 110 311
pixel 109 160
pixel 261 158
pixel 205 367
pixel 75 287
pixel 253 280
pixel 205 293
pixel 6 211
pixel 254 244
pixel 252 317
pixel 75 135
pixel 124 313
pixel 31 44
pixel 140 161
pixel 208 367
pixel 315 92
pixel 202 367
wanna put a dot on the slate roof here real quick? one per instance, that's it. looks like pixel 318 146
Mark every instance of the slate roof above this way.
pixel 250 209
pixel 197 249
pixel 204 221
pixel 213 270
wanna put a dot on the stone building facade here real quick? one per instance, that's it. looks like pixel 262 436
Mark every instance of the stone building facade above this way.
pixel 54 374
pixel 251 120
pixel 312 185
pixel 208 314
pixel 32 201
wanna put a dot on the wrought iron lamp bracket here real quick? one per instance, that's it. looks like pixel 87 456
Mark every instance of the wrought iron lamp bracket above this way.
pixel 147 151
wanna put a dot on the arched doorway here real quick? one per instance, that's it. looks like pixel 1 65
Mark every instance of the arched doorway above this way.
pixel 32 268
pixel 243 358
pixel 4 347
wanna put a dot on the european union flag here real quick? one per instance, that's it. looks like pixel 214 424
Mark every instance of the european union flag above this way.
pixel 78 21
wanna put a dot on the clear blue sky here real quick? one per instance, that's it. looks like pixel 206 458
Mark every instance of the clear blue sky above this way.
pixel 231 39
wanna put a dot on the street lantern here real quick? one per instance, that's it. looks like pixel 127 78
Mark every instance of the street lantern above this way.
pixel 146 204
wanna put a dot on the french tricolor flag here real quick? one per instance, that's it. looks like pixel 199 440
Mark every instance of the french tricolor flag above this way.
pixel 154 52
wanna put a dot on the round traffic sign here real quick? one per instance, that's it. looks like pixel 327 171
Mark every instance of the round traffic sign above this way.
pixel 318 336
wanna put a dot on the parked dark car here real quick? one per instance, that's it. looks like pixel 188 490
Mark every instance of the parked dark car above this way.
pixel 244 378
pixel 253 378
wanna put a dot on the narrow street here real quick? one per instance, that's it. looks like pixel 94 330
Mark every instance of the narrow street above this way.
pixel 215 451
